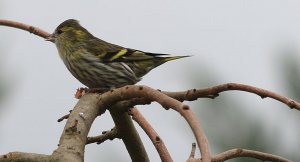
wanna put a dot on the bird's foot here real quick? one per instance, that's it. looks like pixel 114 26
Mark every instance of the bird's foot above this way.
pixel 82 91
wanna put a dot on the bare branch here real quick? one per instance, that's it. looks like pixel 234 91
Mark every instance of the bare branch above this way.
pixel 194 94
pixel 198 132
pixel 31 29
pixel 74 137
pixel 128 133
pixel 24 157
pixel 234 153
pixel 213 92
pixel 192 155
pixel 106 135
pixel 64 117
pixel 154 137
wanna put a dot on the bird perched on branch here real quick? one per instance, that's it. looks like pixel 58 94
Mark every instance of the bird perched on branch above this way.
pixel 99 64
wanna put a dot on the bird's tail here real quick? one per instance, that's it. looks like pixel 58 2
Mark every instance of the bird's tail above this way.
pixel 173 58
pixel 157 59
pixel 163 59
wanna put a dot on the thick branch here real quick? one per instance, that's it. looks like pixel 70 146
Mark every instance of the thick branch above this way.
pixel 128 133
pixel 74 137
pixel 234 153
pixel 24 157
pixel 31 29
pixel 154 137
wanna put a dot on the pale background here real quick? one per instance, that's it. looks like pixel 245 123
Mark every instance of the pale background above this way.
pixel 231 41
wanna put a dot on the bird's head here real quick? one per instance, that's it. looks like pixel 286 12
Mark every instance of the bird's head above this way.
pixel 69 31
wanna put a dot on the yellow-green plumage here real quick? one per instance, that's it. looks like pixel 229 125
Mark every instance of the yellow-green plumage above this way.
pixel 99 64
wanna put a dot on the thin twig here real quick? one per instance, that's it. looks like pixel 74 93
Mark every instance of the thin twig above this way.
pixel 64 117
pixel 31 29
pixel 106 135
pixel 192 155
pixel 154 137
pixel 234 153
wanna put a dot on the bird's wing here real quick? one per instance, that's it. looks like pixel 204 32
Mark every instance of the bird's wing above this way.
pixel 108 52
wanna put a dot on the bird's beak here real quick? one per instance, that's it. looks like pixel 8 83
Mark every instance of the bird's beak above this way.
pixel 50 38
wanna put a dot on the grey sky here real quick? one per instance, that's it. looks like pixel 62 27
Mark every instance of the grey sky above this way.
pixel 236 39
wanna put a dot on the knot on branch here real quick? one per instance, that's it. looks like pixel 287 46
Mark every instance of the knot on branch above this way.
pixel 73 128
pixel 292 104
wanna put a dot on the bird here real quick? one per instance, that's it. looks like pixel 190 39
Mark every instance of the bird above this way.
pixel 99 64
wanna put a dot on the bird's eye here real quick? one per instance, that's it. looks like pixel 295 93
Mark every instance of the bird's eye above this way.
pixel 59 31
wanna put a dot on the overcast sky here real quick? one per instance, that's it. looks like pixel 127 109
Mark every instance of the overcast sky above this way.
pixel 237 40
